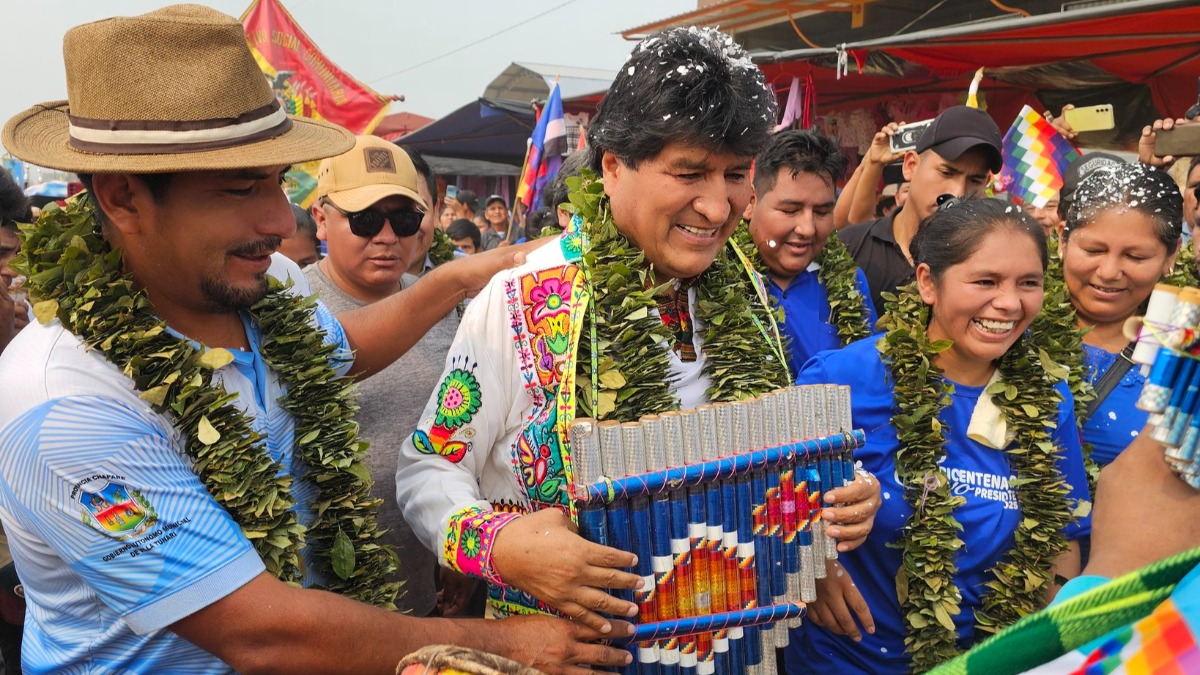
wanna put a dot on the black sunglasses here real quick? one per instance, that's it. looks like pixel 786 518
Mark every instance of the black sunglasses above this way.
pixel 367 224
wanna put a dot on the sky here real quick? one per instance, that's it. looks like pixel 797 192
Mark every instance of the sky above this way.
pixel 373 40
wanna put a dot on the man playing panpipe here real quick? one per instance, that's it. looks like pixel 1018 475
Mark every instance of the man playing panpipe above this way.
pixel 640 308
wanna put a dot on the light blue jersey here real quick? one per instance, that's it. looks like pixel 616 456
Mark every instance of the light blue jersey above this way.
pixel 114 536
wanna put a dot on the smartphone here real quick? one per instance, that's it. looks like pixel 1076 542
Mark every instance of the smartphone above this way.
pixel 1091 118
pixel 451 192
pixel 1181 141
pixel 906 136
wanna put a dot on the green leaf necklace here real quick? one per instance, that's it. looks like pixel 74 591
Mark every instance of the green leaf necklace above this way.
pixel 622 371
pixel 925 582
pixel 76 276
pixel 838 274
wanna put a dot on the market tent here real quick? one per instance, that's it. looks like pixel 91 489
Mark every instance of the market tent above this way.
pixel 525 82
pixel 487 129
pixel 450 166
pixel 1118 49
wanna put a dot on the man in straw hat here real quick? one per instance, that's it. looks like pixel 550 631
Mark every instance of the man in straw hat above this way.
pixel 181 461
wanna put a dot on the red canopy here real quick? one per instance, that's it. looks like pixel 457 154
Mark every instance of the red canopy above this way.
pixel 1159 48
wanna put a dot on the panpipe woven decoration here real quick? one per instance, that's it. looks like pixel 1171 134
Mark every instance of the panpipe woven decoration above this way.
pixel 1168 349
pixel 721 505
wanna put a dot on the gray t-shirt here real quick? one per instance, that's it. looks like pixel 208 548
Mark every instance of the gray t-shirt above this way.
pixel 391 401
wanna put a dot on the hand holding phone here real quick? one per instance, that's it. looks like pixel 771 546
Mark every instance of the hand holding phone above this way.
pixel 452 192
pixel 905 138
pixel 1090 118
pixel 1182 140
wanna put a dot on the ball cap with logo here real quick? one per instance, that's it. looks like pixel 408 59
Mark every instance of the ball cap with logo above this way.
pixel 176 89
pixel 372 170
pixel 960 128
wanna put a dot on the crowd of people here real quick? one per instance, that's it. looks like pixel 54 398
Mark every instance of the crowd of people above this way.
pixel 256 437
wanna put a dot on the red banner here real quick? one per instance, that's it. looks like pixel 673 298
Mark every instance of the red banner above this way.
pixel 306 82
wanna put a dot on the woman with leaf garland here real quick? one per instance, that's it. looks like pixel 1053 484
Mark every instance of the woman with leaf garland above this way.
pixel 973 439
pixel 1120 238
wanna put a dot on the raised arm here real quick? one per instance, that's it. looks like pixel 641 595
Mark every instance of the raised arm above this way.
pixel 858 197
pixel 383 331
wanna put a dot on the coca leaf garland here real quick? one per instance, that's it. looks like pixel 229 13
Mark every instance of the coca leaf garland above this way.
pixel 76 277
pixel 928 596
pixel 625 337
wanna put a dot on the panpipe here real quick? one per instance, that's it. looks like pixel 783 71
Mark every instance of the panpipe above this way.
pixel 1168 349
pixel 722 506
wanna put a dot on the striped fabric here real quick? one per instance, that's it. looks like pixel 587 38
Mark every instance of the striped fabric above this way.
pixel 114 536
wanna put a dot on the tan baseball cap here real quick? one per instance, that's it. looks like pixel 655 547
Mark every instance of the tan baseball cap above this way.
pixel 372 170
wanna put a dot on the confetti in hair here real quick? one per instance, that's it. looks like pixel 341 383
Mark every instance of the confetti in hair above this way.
pixel 1129 187
pixel 691 85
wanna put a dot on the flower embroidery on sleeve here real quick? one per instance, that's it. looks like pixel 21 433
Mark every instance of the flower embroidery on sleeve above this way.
pixel 459 399
pixel 469 540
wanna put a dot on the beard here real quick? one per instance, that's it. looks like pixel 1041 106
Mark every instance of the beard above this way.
pixel 223 296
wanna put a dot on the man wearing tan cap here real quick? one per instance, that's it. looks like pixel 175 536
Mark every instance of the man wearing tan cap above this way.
pixel 367 260
pixel 181 463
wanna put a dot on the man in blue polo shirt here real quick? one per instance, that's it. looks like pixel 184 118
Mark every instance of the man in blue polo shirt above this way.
pixel 149 541
pixel 791 218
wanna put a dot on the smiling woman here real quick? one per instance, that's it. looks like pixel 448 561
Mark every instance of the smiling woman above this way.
pixel 958 550
pixel 1121 236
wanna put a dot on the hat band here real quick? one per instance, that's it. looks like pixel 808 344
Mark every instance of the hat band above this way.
pixel 139 137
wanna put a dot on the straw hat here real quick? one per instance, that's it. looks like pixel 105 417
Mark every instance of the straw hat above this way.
pixel 173 90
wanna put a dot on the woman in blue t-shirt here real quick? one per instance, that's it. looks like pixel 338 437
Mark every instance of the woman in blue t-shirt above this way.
pixel 969 480
pixel 1120 237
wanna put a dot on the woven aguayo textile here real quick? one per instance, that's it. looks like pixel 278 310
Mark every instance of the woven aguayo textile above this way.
pixel 1144 622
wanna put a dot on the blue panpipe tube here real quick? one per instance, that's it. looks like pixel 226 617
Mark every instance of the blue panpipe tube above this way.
pixel 714 533
pixel 763 547
pixel 669 656
pixel 729 536
pixel 820 427
pixel 1156 393
pixel 585 449
pixel 799 399
pixel 748 562
pixel 787 487
pixel 636 456
pixel 1162 430
pixel 612 462
pixel 681 545
pixel 769 437
pixel 697 534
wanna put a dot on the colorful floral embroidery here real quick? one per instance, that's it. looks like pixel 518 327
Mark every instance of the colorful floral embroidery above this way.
pixel 508 601
pixel 521 344
pixel 545 297
pixel 541 459
pixel 458 401
pixel 549 297
pixel 469 540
